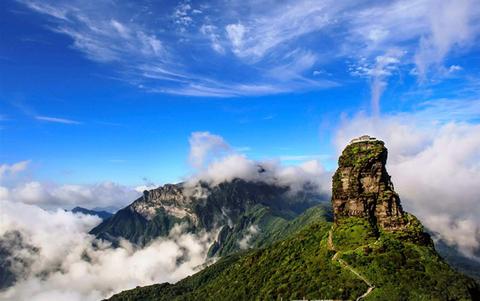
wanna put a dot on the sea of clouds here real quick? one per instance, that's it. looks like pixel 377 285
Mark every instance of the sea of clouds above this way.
pixel 435 167
pixel 59 260
pixel 54 257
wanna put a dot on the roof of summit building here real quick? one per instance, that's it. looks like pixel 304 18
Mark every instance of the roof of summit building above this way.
pixel 362 139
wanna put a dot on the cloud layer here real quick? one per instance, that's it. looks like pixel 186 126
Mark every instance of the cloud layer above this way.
pixel 63 264
pixel 52 195
pixel 54 257
pixel 279 45
pixel 435 168
pixel 215 161
pixel 433 161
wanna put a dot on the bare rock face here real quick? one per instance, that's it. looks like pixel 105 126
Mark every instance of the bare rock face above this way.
pixel 170 197
pixel 362 186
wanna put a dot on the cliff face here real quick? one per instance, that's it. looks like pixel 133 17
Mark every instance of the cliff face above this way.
pixel 362 186
pixel 170 197
pixel 232 207
pixel 374 250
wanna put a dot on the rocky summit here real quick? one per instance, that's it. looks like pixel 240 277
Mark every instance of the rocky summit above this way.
pixel 362 186
pixel 373 250
pixel 231 208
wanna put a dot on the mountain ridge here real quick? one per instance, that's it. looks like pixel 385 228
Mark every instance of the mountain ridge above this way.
pixel 100 213
pixel 373 250
pixel 232 208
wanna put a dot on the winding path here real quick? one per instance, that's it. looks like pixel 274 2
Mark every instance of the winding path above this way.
pixel 331 247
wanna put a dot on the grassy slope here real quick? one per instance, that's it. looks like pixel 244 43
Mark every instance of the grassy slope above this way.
pixel 293 268
pixel 271 225
pixel 301 266
pixel 401 266
pixel 127 223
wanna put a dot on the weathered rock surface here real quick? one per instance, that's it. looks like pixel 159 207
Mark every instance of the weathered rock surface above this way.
pixel 374 250
pixel 231 207
pixel 170 197
pixel 362 186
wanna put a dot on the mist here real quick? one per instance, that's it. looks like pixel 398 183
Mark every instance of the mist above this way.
pixel 214 161
pixel 435 168
pixel 63 262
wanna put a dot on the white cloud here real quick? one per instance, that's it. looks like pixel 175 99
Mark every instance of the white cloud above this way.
pixel 149 53
pixel 100 39
pixel 211 32
pixel 215 162
pixel 235 33
pixel 55 11
pixel 435 27
pixel 244 243
pixel 142 188
pixel 450 26
pixel 66 265
pixel 51 195
pixel 454 68
pixel 303 157
pixel 376 27
pixel 297 63
pixel 213 159
pixel 182 15
pixel 16 187
pixel 435 167
pixel 228 168
pixel 203 145
pixel 9 170
pixel 281 25
pixel 384 66
pixel 148 58
pixel 57 120
pixel 121 29
pixel 459 110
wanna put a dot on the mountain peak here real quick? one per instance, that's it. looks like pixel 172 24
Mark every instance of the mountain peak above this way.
pixel 362 186
pixel 100 213
pixel 372 251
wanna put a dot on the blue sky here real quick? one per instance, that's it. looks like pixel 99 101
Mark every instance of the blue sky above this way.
pixel 102 99
pixel 94 91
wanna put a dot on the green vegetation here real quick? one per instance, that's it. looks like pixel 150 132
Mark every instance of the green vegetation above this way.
pixel 414 231
pixel 352 232
pixel 271 225
pixel 407 271
pixel 301 266
pixel 129 224
pixel 360 153
pixel 306 257
pixel 238 203
pixel 294 268
pixel 337 182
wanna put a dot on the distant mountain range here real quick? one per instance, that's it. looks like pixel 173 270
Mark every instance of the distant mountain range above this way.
pixel 371 250
pixel 101 214
pixel 271 242
pixel 235 209
pixel 460 262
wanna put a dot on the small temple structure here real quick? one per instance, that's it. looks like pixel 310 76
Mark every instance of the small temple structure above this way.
pixel 362 139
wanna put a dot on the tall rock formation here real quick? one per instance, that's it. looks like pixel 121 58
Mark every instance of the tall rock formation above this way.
pixel 362 186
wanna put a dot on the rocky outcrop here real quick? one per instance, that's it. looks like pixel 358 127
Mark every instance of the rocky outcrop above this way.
pixel 202 207
pixel 170 197
pixel 362 186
